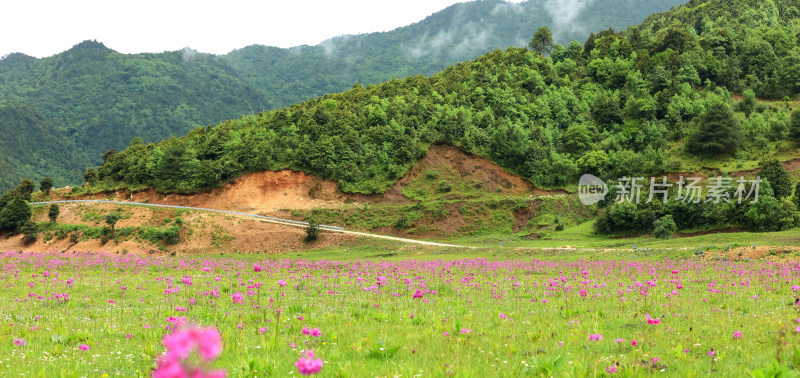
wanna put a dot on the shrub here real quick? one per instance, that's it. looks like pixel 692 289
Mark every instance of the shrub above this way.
pixel 445 187
pixel 664 227
pixel 14 215
pixel 30 230
pixel 53 212
pixel 312 232
pixel 402 223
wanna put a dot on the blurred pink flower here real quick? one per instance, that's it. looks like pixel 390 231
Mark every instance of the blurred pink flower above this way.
pixel 652 321
pixel 84 347
pixel 19 342
pixel 307 365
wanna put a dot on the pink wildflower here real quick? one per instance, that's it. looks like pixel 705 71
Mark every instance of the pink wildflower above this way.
pixel 168 367
pixel 611 369
pixel 307 365
pixel 595 337
pixel 84 347
pixel 237 297
pixel 19 342
pixel 737 334
pixel 634 342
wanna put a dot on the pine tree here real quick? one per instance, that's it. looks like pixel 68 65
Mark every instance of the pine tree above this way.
pixel 772 170
pixel 542 41
pixel 718 133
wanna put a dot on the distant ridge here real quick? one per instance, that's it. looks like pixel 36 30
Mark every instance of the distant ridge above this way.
pixel 95 99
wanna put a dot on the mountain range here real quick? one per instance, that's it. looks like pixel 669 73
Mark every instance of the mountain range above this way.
pixel 62 112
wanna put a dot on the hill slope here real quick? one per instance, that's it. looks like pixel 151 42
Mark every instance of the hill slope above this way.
pixel 458 33
pixel 653 99
pixel 100 99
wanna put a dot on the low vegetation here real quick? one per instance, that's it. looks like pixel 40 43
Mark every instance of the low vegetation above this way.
pixel 402 316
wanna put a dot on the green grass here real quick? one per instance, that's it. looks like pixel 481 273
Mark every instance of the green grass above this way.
pixel 544 330
pixel 583 236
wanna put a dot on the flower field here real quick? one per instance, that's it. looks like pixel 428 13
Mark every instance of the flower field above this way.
pixel 95 315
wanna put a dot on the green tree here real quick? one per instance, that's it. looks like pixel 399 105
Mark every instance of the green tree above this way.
pixel 607 112
pixel 797 195
pixel 577 139
pixel 26 188
pixel 112 219
pixel 664 227
pixel 46 184
pixel 14 215
pixel 542 41
pixel 30 230
pixel 90 176
pixel 749 102
pixel 718 132
pixel 794 126
pixel 53 212
pixel 769 213
pixel 312 232
pixel 108 155
pixel 772 170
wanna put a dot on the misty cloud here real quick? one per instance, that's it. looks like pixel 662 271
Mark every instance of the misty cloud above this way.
pixel 507 7
pixel 331 45
pixel 188 54
pixel 455 41
pixel 564 13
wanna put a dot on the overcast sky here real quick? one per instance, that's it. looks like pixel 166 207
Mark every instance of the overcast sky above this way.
pixel 45 27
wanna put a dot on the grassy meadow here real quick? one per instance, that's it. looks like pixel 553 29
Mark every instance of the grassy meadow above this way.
pixel 388 310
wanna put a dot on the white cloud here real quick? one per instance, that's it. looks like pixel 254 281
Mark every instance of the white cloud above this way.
pixel 45 27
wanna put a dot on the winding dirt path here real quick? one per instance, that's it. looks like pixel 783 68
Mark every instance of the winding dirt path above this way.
pixel 262 218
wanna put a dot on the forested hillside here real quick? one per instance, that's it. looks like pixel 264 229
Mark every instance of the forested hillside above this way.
pixel 636 102
pixel 460 32
pixel 99 99
pixel 22 128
